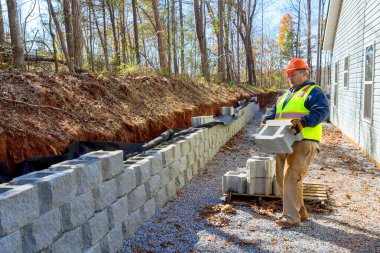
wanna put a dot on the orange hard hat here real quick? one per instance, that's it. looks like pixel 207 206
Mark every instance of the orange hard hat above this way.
pixel 295 64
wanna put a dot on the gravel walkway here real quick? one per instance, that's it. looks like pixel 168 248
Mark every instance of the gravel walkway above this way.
pixel 351 223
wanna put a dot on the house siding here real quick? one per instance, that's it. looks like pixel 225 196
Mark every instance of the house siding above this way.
pixel 358 26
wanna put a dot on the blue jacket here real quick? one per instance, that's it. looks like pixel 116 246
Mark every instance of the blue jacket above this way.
pixel 316 102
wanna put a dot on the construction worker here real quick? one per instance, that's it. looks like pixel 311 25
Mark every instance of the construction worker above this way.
pixel 306 105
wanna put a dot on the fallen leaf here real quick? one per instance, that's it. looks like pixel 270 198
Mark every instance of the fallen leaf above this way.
pixel 273 241
pixel 166 244
pixel 179 226
pixel 252 229
pixel 211 238
pixel 228 209
pixel 348 196
pixel 180 193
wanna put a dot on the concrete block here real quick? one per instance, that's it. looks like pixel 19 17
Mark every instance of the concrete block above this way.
pixel 126 181
pixel 153 186
pixel 195 168
pixel 176 151
pixel 133 223
pixel 88 173
pixel 105 194
pixel 260 186
pixel 191 157
pixel 188 174
pixel 164 177
pixel 42 232
pixel 11 243
pixel 161 198
pixel 175 169
pixel 167 154
pixel 191 139
pixel 149 209
pixel 118 211
pixel 184 146
pixel 183 163
pixel 156 161
pixel 228 111
pixel 180 181
pixel 18 207
pixel 94 249
pixel 142 171
pixel 275 137
pixel 54 188
pixel 111 162
pixel 234 181
pixel 201 120
pixel 261 167
pixel 69 242
pixel 171 189
pixel 136 198
pixel 94 229
pixel 104 244
pixel 77 211
pixel 115 238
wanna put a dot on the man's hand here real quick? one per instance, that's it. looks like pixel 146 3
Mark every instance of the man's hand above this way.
pixel 296 126
pixel 262 123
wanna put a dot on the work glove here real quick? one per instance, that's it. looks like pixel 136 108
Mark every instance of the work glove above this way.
pixel 263 121
pixel 296 126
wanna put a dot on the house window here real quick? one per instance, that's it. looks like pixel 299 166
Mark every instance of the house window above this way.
pixel 346 71
pixel 368 82
pixel 336 80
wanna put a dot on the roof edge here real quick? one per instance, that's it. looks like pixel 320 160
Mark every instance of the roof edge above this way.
pixel 332 20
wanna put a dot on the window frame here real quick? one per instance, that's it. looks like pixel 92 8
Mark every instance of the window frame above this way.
pixel 336 82
pixel 346 72
pixel 373 44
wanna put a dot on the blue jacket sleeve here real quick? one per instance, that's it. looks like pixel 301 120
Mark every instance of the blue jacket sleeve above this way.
pixel 272 113
pixel 318 106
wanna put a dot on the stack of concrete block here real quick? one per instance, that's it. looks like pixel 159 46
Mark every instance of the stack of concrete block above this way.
pixel 260 176
pixel 201 120
pixel 275 137
pixel 228 111
pixel 235 181
pixel 95 202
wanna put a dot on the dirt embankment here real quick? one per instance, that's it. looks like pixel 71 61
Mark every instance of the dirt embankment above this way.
pixel 42 114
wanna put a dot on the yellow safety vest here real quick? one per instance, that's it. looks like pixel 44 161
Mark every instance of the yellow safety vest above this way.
pixel 295 109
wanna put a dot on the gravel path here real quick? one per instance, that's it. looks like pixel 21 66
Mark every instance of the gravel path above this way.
pixel 351 223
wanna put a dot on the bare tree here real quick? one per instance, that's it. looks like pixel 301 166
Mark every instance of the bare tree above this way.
pixel 14 27
pixel 221 62
pixel 77 33
pixel 182 38
pixel 2 33
pixel 160 38
pixel 136 31
pixel 201 39
pixel 174 35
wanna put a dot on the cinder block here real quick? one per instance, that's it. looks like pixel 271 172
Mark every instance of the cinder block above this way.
pixel 11 243
pixel 201 120
pixel 126 181
pixel 183 163
pixel 111 162
pixel 153 186
pixel 191 157
pixel 94 229
pixel 164 177
pixel 42 232
pixel 261 167
pixel 88 173
pixel 228 111
pixel 184 146
pixel 156 161
pixel 161 198
pixel 133 223
pixel 188 174
pixel 233 181
pixel 18 207
pixel 115 238
pixel 69 242
pixel 171 189
pixel 142 171
pixel 167 154
pixel 275 137
pixel 180 181
pixel 136 198
pixel 117 212
pixel 105 194
pixel 175 169
pixel 149 209
pixel 176 151
pixel 77 211
pixel 260 186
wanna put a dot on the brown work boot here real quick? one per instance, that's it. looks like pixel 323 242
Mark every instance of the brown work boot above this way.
pixel 285 224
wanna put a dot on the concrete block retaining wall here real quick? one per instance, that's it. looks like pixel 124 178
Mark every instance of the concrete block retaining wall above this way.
pixel 95 202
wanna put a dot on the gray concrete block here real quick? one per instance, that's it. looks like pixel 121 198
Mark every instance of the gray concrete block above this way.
pixel 18 206
pixel 88 173
pixel 104 244
pixel 118 211
pixel 198 121
pixel 234 181
pixel 164 177
pixel 136 198
pixel 228 111
pixel 191 157
pixel 188 174
pixel 153 186
pixel 261 166
pixel 133 223
pixel 175 169
pixel 126 181
pixel 105 194
pixel 111 162
pixel 242 183
pixel 11 243
pixel 156 161
pixel 184 146
pixel 275 137
pixel 149 209
pixel 195 168
pixel 171 189
pixel 115 238
pixel 77 211
pixel 161 198
pixel 142 171
pixel 94 249
pixel 260 186
pixel 180 181
pixel 183 163
pixel 42 232
pixel 94 229
pixel 69 242
pixel 167 154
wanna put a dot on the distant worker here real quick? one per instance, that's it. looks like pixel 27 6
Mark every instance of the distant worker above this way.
pixel 306 105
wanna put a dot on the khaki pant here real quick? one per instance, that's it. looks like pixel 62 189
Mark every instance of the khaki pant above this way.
pixel 291 169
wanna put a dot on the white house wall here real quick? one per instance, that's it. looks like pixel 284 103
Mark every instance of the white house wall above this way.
pixel 358 26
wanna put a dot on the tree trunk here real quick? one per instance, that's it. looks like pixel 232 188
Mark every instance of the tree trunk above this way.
pixel 309 35
pixel 105 35
pixel 2 33
pixel 174 34
pixel 91 62
pixel 298 30
pixel 136 32
pixel 123 37
pixel 221 62
pixel 14 27
pixel 54 45
pixel 319 42
pixel 182 39
pixel 102 42
pixel 201 39
pixel 77 33
pixel 111 10
pixel 68 20
pixel 160 38
pixel 167 3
